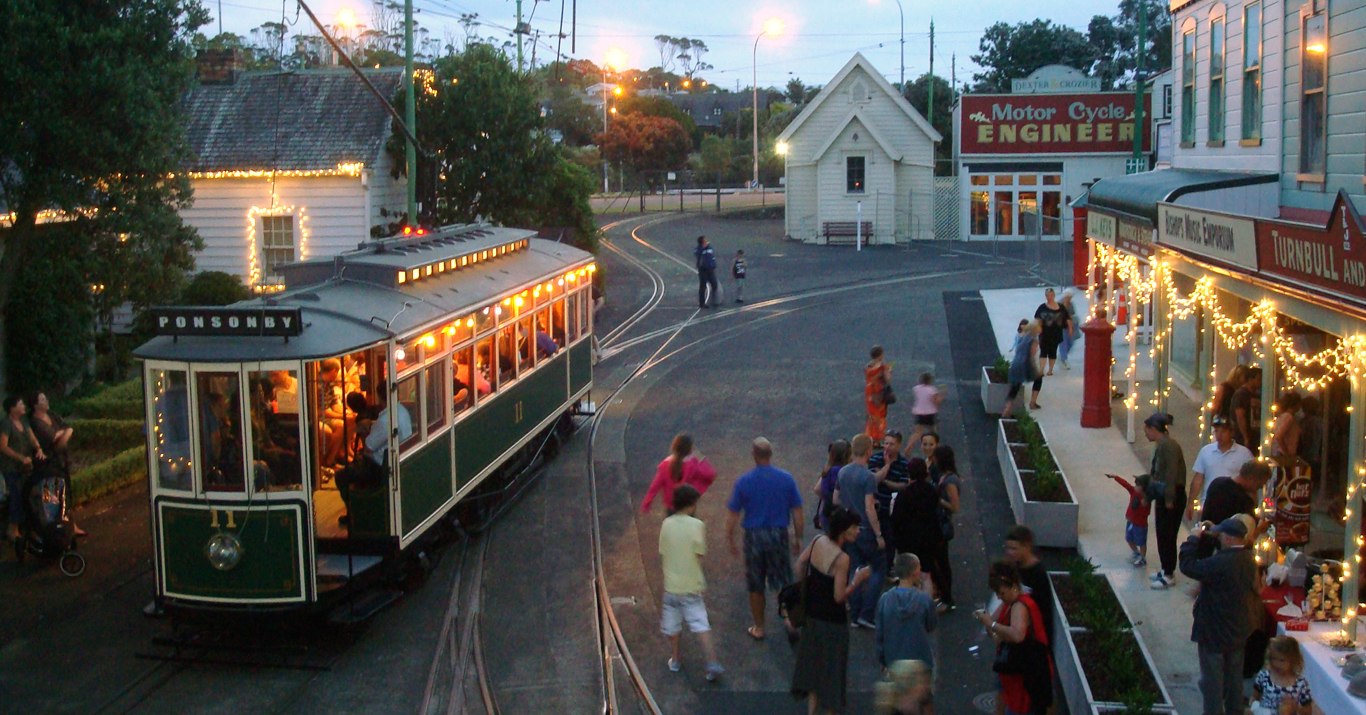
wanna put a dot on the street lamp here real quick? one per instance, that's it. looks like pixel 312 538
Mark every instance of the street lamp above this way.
pixel 903 43
pixel 615 58
pixel 772 26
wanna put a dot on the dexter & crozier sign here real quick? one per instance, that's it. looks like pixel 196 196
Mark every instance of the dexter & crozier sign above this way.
pixel 1090 123
pixel 1332 258
pixel 259 322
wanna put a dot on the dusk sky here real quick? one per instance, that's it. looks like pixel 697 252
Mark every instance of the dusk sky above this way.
pixel 819 36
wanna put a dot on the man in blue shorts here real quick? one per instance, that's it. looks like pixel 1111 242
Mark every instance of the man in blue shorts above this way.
pixel 770 501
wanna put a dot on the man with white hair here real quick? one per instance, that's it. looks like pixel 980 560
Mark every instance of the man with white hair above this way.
pixel 770 501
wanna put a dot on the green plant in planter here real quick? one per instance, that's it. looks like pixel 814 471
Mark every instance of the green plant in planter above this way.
pixel 1000 369
pixel 1113 635
pixel 1047 483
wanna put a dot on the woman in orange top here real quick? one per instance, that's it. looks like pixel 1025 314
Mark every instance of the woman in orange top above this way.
pixel 876 376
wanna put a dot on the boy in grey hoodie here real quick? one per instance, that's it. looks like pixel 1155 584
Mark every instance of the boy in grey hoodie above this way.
pixel 906 616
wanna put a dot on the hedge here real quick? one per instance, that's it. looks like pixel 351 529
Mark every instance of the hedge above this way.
pixel 121 402
pixel 105 435
pixel 114 473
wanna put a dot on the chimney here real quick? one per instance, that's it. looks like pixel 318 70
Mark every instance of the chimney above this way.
pixel 219 66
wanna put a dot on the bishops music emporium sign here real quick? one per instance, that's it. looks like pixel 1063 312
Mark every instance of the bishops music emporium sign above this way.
pixel 1093 123
pixel 1331 259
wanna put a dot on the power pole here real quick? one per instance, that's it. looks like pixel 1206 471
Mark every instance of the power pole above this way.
pixel 518 32
pixel 930 105
pixel 410 109
pixel 1138 89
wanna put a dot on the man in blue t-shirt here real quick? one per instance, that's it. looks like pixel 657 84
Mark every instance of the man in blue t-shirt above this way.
pixel 770 501
pixel 706 274
pixel 893 473
pixel 857 490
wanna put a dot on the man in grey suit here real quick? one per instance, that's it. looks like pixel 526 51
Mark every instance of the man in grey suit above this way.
pixel 1223 611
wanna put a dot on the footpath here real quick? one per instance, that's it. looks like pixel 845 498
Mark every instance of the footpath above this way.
pixel 1086 455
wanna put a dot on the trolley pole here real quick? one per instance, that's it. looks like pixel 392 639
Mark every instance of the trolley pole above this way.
pixel 929 106
pixel 410 109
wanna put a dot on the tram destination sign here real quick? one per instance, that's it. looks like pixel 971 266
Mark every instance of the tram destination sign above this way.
pixel 271 322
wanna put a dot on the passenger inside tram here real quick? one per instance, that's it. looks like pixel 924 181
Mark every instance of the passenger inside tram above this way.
pixel 275 444
pixel 506 363
pixel 333 420
pixel 370 469
pixel 220 432
pixel 483 362
pixel 545 345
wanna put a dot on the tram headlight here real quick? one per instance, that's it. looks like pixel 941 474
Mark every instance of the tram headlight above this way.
pixel 224 551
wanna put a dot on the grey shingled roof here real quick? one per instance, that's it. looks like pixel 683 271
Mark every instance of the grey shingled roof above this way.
pixel 325 118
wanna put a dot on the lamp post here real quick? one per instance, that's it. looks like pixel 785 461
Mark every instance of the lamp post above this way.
pixel 772 26
pixel 614 57
pixel 902 13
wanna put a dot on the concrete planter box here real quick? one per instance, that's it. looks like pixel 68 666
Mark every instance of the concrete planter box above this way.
pixel 1075 688
pixel 994 395
pixel 1054 523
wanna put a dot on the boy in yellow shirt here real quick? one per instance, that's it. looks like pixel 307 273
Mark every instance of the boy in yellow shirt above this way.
pixel 682 543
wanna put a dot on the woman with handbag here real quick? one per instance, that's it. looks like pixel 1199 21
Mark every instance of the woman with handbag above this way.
pixel 839 455
pixel 823 653
pixel 949 486
pixel 18 449
pixel 1023 660
pixel 877 393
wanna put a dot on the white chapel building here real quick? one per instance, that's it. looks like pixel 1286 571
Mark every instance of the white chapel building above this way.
pixel 859 152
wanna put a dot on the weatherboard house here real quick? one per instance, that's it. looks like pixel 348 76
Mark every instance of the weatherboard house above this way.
pixel 859 153
pixel 287 166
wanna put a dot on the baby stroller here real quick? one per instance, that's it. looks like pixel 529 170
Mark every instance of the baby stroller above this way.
pixel 47 531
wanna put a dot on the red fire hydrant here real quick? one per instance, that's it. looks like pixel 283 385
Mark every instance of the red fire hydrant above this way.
pixel 1095 407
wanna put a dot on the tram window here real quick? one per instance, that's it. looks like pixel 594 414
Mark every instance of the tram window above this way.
pixel 407 355
pixel 461 330
pixel 557 322
pixel 572 312
pixel 484 318
pixel 521 304
pixel 275 431
pixel 483 366
pixel 506 311
pixel 462 380
pixel 540 294
pixel 436 397
pixel 556 286
pixel 171 428
pixel 546 344
pixel 220 431
pixel 585 311
pixel 433 345
pixel 408 399
pixel 526 343
pixel 507 366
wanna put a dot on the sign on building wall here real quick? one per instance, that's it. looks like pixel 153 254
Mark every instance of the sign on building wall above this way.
pixel 1054 85
pixel 1230 239
pixel 1332 258
pixel 1100 227
pixel 1129 236
pixel 1051 123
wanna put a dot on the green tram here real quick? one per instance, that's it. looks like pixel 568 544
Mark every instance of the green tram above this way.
pixel 445 358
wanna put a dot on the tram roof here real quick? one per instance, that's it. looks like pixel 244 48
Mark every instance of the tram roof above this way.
pixel 354 299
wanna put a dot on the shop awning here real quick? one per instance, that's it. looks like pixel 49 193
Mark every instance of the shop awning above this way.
pixel 1139 194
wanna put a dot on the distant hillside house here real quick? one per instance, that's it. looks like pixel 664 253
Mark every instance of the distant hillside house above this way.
pixel 287 166
pixel 859 145
pixel 707 108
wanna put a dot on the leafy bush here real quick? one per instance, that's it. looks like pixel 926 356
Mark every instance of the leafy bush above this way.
pixel 118 471
pixel 1111 630
pixel 1047 484
pixel 1000 370
pixel 214 288
pixel 112 404
pixel 104 434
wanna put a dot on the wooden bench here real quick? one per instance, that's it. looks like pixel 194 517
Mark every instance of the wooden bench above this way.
pixel 846 231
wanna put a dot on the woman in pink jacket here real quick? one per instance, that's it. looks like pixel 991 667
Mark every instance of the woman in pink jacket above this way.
pixel 682 466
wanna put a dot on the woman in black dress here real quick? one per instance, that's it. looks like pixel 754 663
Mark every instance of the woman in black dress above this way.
pixel 915 520
pixel 823 653
pixel 1057 322
pixel 53 436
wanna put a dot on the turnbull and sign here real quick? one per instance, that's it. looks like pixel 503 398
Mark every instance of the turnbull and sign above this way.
pixel 260 322
pixel 1092 123
pixel 1230 239
pixel 1332 258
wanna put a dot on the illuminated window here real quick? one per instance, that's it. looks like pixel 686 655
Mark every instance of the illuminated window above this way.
pixel 1313 90
pixel 853 174
pixel 277 245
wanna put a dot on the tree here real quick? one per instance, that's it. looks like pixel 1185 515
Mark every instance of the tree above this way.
pixel 690 54
pixel 92 129
pixel 1115 40
pixel 658 107
pixel 646 145
pixel 668 52
pixel 1010 52
pixel 486 146
pixel 918 94
pixel 796 91
pixel 576 121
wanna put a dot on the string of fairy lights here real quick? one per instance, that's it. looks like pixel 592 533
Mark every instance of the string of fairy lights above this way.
pixel 1262 332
